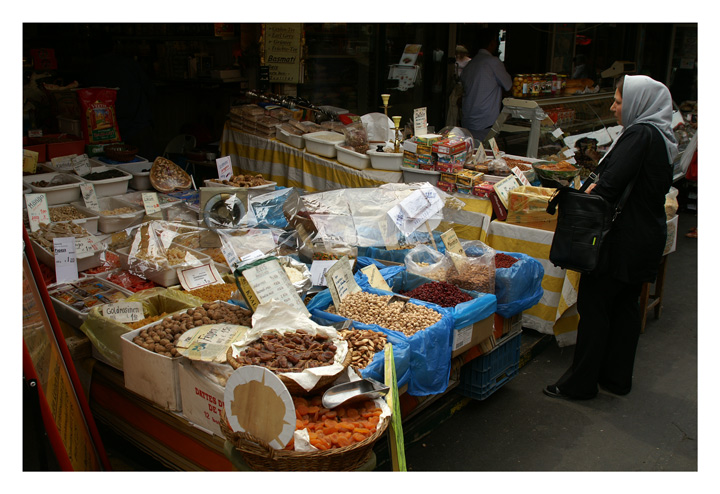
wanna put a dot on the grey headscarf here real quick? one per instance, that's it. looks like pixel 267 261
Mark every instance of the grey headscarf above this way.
pixel 646 100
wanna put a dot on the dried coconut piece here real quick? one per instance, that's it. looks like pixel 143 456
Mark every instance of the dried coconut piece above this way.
pixel 166 176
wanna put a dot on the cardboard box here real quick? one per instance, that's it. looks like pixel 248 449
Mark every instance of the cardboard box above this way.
pixel 498 207
pixel 202 398
pixel 448 187
pixel 469 178
pixel 449 146
pixel 470 336
pixel 528 204
pixel 503 326
pixel 151 375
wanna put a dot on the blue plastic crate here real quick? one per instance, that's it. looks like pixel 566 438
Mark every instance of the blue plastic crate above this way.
pixel 487 373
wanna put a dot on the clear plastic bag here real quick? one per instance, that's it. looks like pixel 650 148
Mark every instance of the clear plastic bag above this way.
pixel 428 262
pixel 356 137
pixel 476 273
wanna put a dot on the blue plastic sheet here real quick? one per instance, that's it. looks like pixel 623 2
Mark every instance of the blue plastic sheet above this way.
pixel 430 349
pixel 518 287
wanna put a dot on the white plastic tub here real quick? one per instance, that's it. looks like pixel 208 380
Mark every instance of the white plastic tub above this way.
pixel 135 199
pixel 351 158
pixel 90 222
pixel 56 194
pixel 75 317
pixel 114 222
pixel 288 138
pixel 109 186
pixel 323 143
pixel 140 171
pixel 385 161
pixel 412 175
pixel 162 274
pixel 48 258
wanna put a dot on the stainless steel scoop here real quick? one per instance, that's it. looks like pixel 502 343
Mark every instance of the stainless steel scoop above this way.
pixel 365 389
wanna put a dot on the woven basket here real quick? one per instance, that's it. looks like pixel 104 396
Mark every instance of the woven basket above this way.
pixel 290 384
pixel 120 152
pixel 261 456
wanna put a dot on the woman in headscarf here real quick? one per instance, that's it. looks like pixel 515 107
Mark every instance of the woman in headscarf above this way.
pixel 608 298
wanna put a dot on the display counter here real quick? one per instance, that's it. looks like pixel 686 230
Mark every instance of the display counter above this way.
pixel 293 167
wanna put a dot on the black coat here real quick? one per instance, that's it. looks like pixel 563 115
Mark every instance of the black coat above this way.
pixel 633 248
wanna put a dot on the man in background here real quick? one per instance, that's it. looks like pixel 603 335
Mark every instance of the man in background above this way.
pixel 484 79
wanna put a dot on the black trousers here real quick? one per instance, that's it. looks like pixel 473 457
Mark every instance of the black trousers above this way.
pixel 607 337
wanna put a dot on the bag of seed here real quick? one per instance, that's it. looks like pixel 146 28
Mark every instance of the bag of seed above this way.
pixel 99 120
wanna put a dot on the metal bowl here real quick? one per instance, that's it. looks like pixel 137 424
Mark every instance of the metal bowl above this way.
pixel 541 169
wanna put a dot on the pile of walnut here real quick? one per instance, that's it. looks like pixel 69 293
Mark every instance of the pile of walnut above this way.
pixel 363 345
pixel 243 181
pixel 162 337
pixel 289 352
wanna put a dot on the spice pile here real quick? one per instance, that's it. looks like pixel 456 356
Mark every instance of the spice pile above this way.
pixel 504 260
pixel 211 293
pixel 289 352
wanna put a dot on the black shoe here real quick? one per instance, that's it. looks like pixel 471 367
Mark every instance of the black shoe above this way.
pixel 613 390
pixel 554 392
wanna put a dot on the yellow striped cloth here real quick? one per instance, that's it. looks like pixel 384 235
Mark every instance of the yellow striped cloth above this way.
pixel 556 313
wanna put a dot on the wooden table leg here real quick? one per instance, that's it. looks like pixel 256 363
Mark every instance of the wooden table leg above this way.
pixel 644 296
pixel 659 286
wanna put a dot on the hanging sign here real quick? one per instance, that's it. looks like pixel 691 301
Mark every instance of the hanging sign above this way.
pixel 283 52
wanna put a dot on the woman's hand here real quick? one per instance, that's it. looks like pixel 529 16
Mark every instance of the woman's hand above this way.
pixel 590 187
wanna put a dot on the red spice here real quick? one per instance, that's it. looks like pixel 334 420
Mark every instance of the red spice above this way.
pixel 130 281
pixel 504 260
pixel 439 292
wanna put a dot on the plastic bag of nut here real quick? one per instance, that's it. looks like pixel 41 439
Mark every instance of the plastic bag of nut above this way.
pixel 428 262
pixel 472 273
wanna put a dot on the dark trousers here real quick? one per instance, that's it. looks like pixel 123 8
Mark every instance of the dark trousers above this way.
pixel 607 337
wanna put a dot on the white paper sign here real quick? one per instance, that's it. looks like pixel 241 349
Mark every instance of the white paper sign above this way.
pixel 375 278
pixel 408 224
pixel 224 166
pixel 196 277
pixel 63 163
pixel 37 210
pixel 65 260
pixel 520 175
pixel 557 133
pixel 503 188
pixel 318 269
pixel 86 246
pixel 151 202
pixel 270 281
pixel 420 121
pixel 256 254
pixel 124 311
pixel 89 196
pixel 568 153
pixel 494 147
pixel 340 280
pixel 231 257
pixel 81 164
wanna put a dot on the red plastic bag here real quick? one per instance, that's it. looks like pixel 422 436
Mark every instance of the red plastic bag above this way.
pixel 98 115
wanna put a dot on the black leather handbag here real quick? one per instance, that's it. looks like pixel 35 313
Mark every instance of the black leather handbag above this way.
pixel 582 224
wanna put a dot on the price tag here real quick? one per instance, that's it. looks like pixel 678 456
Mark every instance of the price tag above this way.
pixel 340 280
pixel 151 202
pixel 494 147
pixel 452 242
pixel 270 281
pixel 375 279
pixel 124 311
pixel 63 163
pixel 196 277
pixel 557 133
pixel 420 121
pixel 503 188
pixel 228 252
pixel 224 166
pixel 256 254
pixel 81 164
pixel 86 246
pixel 520 175
pixel 35 133
pixel 89 196
pixel 318 270
pixel 65 260
pixel 37 210
pixel 30 161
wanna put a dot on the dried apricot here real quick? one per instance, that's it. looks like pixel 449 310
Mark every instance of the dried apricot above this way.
pixel 358 437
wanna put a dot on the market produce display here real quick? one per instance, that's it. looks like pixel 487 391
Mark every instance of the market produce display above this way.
pixel 369 308
pixel 130 281
pixel 66 212
pixel 162 337
pixel 289 351
pixel 335 428
pixel 363 345
pixel 243 181
pixel 439 292
pixel 166 176
pixel 221 291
